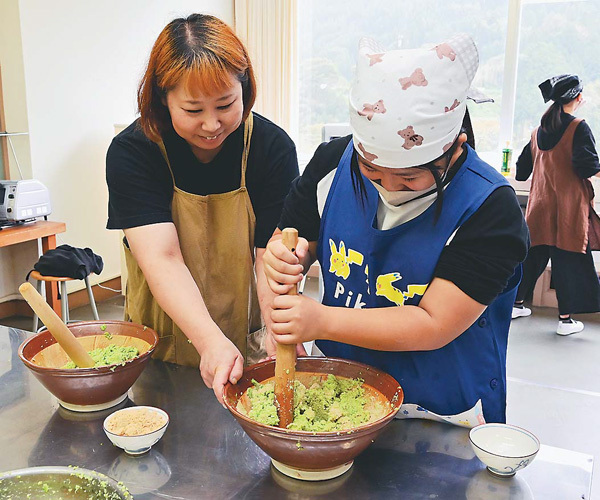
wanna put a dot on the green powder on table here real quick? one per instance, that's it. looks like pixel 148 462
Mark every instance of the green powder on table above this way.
pixel 330 405
pixel 110 355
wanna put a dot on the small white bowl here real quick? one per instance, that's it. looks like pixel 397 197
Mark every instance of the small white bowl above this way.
pixel 136 445
pixel 504 448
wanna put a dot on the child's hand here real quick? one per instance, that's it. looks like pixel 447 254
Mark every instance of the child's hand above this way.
pixel 297 319
pixel 282 268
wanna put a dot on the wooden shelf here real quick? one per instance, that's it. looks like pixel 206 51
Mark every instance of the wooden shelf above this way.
pixel 30 231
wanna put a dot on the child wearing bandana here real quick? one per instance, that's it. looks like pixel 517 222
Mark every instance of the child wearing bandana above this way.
pixel 418 239
pixel 560 214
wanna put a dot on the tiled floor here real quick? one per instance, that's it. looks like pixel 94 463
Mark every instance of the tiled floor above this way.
pixel 553 382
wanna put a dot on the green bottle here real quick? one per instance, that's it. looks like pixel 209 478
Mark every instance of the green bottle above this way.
pixel 506 157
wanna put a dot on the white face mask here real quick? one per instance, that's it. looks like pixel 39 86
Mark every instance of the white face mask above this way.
pixel 398 198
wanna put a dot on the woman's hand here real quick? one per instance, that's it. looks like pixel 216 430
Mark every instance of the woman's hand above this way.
pixel 220 362
pixel 282 268
pixel 297 319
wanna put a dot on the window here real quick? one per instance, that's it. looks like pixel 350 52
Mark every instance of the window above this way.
pixel 556 37
pixel 328 43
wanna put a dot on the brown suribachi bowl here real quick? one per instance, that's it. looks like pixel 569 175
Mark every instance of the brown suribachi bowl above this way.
pixel 86 389
pixel 309 451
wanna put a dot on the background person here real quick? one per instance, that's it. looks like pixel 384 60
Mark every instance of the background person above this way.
pixel 416 236
pixel 560 212
pixel 197 183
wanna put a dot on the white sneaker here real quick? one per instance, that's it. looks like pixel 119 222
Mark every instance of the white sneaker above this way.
pixel 569 328
pixel 518 312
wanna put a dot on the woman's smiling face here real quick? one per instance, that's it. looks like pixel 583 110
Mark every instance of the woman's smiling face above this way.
pixel 205 121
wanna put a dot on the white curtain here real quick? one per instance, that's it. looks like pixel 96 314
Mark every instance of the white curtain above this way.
pixel 269 30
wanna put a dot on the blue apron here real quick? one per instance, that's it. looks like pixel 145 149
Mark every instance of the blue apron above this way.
pixel 363 267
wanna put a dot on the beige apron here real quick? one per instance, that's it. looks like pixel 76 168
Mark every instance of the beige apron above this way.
pixel 216 236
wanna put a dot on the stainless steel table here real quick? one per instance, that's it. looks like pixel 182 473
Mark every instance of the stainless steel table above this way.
pixel 205 454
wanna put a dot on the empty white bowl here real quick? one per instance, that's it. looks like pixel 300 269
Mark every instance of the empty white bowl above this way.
pixel 504 448
pixel 136 445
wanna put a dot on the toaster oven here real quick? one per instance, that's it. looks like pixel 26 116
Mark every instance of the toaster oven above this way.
pixel 23 200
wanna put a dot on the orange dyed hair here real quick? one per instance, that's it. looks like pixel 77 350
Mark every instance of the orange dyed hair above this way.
pixel 203 52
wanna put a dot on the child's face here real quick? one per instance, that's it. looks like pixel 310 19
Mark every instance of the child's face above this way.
pixel 412 178
pixel 397 179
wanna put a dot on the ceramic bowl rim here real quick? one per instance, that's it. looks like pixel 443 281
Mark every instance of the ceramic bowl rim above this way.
pixel 99 370
pixel 329 434
pixel 504 426
pixel 130 408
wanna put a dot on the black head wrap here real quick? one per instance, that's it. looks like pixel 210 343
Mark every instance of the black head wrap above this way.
pixel 561 88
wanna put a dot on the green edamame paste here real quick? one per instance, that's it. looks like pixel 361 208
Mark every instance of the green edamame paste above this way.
pixel 333 404
pixel 110 355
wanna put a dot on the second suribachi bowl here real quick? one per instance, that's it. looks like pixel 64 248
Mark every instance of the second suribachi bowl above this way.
pixel 89 389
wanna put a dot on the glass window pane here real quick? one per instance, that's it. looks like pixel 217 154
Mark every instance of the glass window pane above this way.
pixel 328 40
pixel 556 37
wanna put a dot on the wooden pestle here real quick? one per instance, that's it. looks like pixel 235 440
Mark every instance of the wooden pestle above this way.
pixel 56 327
pixel 285 361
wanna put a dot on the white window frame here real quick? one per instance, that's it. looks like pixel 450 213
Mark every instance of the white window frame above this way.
pixel 509 85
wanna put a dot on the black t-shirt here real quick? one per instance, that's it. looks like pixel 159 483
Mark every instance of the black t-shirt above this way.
pixel 584 156
pixel 140 186
pixel 479 260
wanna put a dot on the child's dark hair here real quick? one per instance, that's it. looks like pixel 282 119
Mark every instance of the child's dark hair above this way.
pixel 358 181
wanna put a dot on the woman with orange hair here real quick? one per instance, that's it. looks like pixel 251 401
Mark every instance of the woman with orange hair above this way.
pixel 197 183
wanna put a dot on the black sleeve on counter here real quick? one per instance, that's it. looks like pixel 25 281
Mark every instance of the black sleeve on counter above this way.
pixel 300 208
pixel 486 249
pixel 140 188
pixel 585 157
pixel 524 164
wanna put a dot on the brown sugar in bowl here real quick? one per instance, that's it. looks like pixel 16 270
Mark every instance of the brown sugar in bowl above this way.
pixel 310 452
pixel 89 389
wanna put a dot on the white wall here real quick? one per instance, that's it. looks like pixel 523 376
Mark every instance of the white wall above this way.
pixel 82 62
pixel 14 261
pixel 13 86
